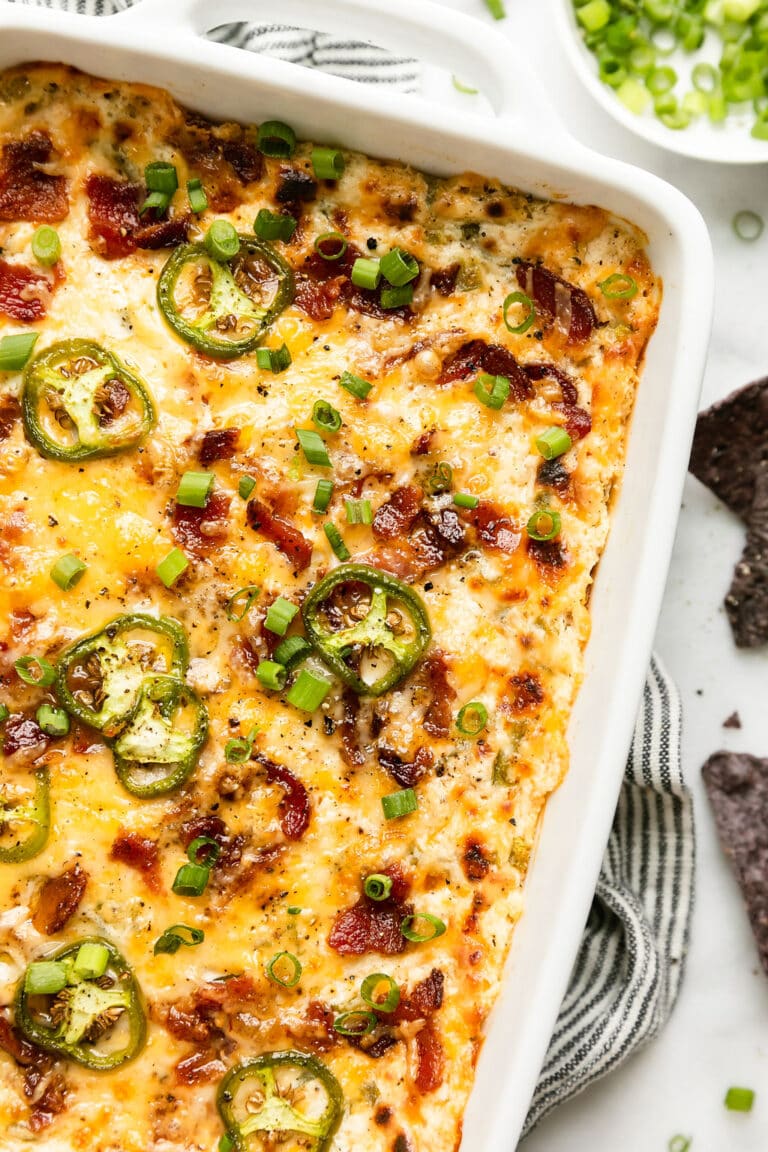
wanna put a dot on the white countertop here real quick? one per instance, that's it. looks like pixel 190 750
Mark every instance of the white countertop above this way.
pixel 718 1035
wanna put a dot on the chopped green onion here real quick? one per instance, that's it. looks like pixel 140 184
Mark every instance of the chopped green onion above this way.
pixel 292 651
pixel 492 391
pixel 327 163
pixel 172 566
pixel 422 927
pixel 284 969
pixel 440 478
pixel 465 88
pixel 91 961
pixel 191 880
pixel 739 1099
pixel 464 500
pixel 279 616
pixel 336 542
pixel 355 384
pixel 619 286
pixel 198 201
pixel 271 675
pixel 238 750
pixel 359 511
pixel 173 938
pixel 399 267
pixel 222 240
pixel 160 176
pixel 15 350
pixel 496 9
pixel 472 718
pixel 661 80
pixel 293 911
pixel 53 721
pixel 553 443
pixel 313 447
pixel 634 95
pixel 245 487
pixel 194 489
pixel 679 1144
pixel 594 15
pixel 4 713
pixel 276 139
pixel 156 200
pixel 209 848
pixel 35 670
pixel 46 245
pixel 67 571
pixel 326 417
pixel 397 804
pixel 245 597
pixel 274 225
pixel 323 494
pixel 273 359
pixel 514 300
pixel 338 245
pixel 748 225
pixel 377 886
pixel 544 525
pixel 45 978
pixel 705 77
pixel 308 691
pixel 366 273
pixel 355 1023
pixel 380 991
pixel 396 297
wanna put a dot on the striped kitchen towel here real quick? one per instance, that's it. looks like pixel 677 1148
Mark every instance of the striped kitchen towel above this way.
pixel 630 965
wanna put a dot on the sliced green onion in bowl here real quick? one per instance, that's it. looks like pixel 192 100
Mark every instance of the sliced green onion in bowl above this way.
pixel 748 225
pixel 679 1144
pixel 739 1099
pixel 464 88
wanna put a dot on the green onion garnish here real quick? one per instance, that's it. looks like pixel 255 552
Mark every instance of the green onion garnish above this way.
pixel 747 225
pixel 465 500
pixel 209 848
pixel 156 200
pixel 15 350
pixel 291 651
pixel 336 541
pixel 440 478
pixel 543 525
pixel 331 245
pixel 273 359
pixel 519 300
pixel 276 139
pixel 464 88
pixel 46 245
pixel 739 1099
pixel 396 297
pixel 679 1144
pixel 239 749
pixel 239 605
pixel 274 225
pixel 91 961
pixel 160 176
pixel 472 718
pixel 284 969
pixel 191 880
pixel 323 494
pixel 398 804
pixel 553 443
pixel 492 391
pixel 619 286
pixel 271 675
pixel 355 384
pixel 245 487
pixel 313 447
pixel 359 511
pixel 366 273
pixel 377 886
pixel 172 566
pixel 496 9
pixel 67 571
pixel 227 1143
pixel 355 1023
pixel 52 721
pixel 194 489
pixel 380 991
pixel 198 201
pixel 308 691
pixel 326 417
pixel 4 713
pixel 327 163
pixel 35 670
pixel 45 978
pixel 173 938
pixel 222 240
pixel 279 616
pixel 399 267
pixel 422 927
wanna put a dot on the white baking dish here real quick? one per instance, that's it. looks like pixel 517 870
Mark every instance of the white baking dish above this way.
pixel 159 42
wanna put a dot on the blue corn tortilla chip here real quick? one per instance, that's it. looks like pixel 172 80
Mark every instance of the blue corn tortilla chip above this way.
pixel 747 599
pixel 730 446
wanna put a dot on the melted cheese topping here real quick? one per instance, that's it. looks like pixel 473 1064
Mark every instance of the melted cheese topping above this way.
pixel 501 622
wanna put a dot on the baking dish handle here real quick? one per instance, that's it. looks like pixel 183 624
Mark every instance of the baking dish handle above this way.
pixel 430 32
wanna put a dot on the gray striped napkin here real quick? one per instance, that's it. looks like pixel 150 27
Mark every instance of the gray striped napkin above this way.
pixel 631 961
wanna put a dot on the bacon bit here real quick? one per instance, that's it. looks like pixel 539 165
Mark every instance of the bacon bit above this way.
pixel 50 1105
pixel 405 772
pixel 423 443
pixel 24 294
pixel 244 159
pixel 139 852
pixel 433 671
pixel 322 284
pixel 554 474
pixel 295 808
pixel 24 1053
pixel 58 900
pixel 188 1019
pixel 200 1068
pixel 285 536
pixel 401 206
pixel 474 860
pixel 549 556
pixel 444 279
pixel 478 356
pixel 353 754
pixel 525 694
pixel 22 621
pixel 382 1115
pixel 198 530
pixel 111 399
pixel 116 228
pixel 425 998
pixel 85 740
pixel 163 233
pixel 430 1059
pixel 321 1016
pixel 397 515
pixel 578 422
pixel 221 156
pixel 495 529
pixel 28 192
pixel 319 299
pixel 295 184
pixel 23 738
pixel 374 926
pixel 368 302
pixel 215 829
pixel 558 300
pixel 219 444
pixel 10 411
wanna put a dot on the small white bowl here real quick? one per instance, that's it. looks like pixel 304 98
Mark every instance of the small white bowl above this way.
pixel 728 143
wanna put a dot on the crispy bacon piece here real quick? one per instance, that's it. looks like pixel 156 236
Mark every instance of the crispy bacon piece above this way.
pixel 58 899
pixel 295 808
pixel 10 411
pixel 405 772
pixel 433 672
pixel 24 294
pixel 23 738
pixel 444 279
pixel 188 1019
pixel 478 356
pixel 423 443
pixel 219 444
pixel 430 1059
pixel 474 860
pixel 27 191
pixel 294 184
pixel 50 1104
pixel 215 829
pixel 374 926
pixel 116 228
pixel 245 160
pixel 397 515
pixel 322 284
pixel 549 556
pixel 434 539
pixel 558 301
pixel 524 695
pixel 352 752
pixel 319 298
pixel 112 399
pixel 495 529
pixel 222 156
pixel 424 998
pixel 200 1068
pixel 139 852
pixel 198 530
pixel 554 474
pixel 578 421
pixel 284 535
pixel 24 1053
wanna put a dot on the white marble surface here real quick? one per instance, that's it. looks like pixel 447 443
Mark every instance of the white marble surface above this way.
pixel 718 1035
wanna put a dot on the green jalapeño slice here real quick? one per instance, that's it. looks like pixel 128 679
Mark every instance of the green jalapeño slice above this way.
pixel 289 1098
pixel 82 1003
pixel 159 747
pixel 99 678
pixel 224 307
pixel 25 820
pixel 80 402
pixel 368 627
